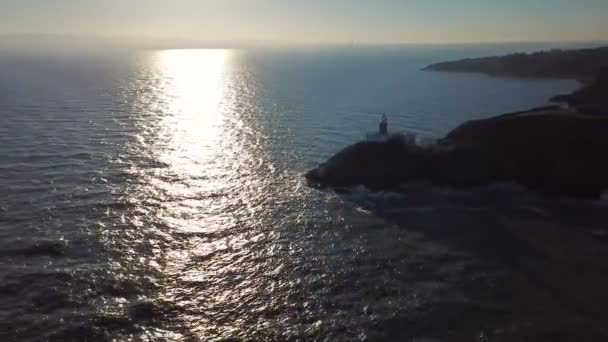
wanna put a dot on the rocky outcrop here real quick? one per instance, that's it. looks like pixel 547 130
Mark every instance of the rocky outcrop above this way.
pixel 376 164
pixel 554 152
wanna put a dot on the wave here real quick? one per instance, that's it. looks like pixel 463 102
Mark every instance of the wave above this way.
pixel 52 248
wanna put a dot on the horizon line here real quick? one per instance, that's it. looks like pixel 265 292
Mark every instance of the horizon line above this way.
pixel 147 41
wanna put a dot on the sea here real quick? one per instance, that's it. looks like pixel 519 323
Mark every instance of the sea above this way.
pixel 158 195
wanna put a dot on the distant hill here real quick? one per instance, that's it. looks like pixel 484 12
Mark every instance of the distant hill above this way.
pixel 583 65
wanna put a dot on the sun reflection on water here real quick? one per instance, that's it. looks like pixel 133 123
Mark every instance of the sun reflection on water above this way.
pixel 193 89
pixel 210 197
pixel 205 225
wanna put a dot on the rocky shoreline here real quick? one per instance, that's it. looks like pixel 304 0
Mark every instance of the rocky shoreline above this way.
pixel 554 152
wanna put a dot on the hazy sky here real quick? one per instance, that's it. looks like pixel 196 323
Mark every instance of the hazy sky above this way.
pixel 313 21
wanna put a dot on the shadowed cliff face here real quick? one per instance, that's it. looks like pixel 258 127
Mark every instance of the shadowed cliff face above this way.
pixel 591 99
pixel 553 152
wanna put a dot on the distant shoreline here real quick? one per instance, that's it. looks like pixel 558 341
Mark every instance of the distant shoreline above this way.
pixel 582 64
pixel 587 66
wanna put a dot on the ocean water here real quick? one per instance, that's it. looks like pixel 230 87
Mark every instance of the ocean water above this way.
pixel 158 195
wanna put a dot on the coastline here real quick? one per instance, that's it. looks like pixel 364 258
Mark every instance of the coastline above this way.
pixel 589 67
pixel 554 150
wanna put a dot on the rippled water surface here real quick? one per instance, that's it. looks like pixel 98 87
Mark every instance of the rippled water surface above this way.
pixel 158 195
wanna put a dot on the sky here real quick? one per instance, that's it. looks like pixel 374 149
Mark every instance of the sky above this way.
pixel 312 21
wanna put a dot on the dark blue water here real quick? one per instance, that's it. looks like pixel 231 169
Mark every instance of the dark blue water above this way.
pixel 158 195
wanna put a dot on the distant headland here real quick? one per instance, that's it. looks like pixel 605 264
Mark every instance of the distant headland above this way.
pixel 588 66
pixel 583 65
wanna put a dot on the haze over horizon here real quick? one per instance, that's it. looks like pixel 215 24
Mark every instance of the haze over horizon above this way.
pixel 313 21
